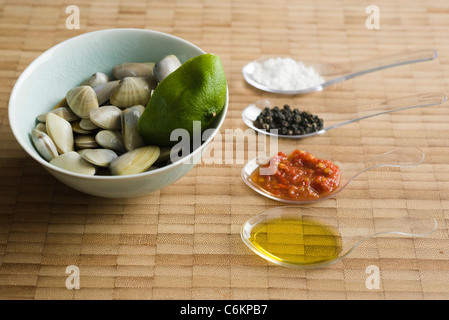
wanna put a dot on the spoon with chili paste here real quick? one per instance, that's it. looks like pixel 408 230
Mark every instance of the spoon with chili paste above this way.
pixel 338 117
pixel 303 177
pixel 313 76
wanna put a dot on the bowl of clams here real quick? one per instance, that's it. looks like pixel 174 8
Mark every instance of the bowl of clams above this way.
pixel 75 110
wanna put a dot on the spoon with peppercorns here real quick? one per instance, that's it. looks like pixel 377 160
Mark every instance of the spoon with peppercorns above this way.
pixel 285 75
pixel 267 118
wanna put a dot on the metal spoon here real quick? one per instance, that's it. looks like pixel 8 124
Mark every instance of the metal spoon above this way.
pixel 343 116
pixel 399 158
pixel 272 234
pixel 335 72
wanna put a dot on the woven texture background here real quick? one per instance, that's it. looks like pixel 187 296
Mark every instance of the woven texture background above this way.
pixel 183 242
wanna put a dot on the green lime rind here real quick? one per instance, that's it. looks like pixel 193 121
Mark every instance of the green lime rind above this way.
pixel 196 91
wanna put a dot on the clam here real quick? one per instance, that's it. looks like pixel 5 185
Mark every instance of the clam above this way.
pixel 64 112
pixel 81 152
pixel 61 103
pixel 72 161
pixel 41 127
pixel 43 144
pixel 86 141
pixel 82 100
pixel 99 157
pixel 109 139
pixel 130 119
pixel 76 127
pixel 135 161
pixel 166 66
pixel 133 70
pixel 131 91
pixel 166 154
pixel 99 119
pixel 105 90
pixel 96 79
pixel 87 124
pixel 106 117
pixel 60 131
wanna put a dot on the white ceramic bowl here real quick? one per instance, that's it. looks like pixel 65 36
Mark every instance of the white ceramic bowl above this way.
pixel 46 80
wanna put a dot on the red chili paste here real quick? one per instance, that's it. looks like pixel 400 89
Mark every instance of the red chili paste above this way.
pixel 299 176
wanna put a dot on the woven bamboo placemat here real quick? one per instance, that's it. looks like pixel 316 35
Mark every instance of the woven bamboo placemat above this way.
pixel 183 242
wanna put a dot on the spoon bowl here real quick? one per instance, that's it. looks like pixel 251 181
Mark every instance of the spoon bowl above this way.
pixel 346 115
pixel 396 158
pixel 320 239
pixel 332 73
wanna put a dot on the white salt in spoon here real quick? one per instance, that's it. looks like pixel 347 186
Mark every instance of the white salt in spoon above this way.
pixel 342 116
pixel 338 72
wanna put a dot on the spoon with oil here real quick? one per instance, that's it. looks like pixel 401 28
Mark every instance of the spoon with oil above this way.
pixel 331 73
pixel 339 117
pixel 309 237
pixel 397 158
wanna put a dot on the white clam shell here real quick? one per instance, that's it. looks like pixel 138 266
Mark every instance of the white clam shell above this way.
pixel 87 124
pixel 105 90
pixel 61 103
pixel 82 151
pixel 107 117
pixel 110 139
pixel 86 141
pixel 130 119
pixel 43 144
pixel 131 91
pixel 64 112
pixel 99 157
pixel 82 100
pixel 133 69
pixel 165 66
pixel 72 161
pixel 41 127
pixel 166 154
pixel 60 131
pixel 76 127
pixel 135 161
pixel 98 78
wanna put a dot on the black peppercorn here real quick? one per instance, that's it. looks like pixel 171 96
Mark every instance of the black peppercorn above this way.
pixel 288 121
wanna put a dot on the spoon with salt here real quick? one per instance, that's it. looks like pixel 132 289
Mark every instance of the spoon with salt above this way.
pixel 339 117
pixel 264 75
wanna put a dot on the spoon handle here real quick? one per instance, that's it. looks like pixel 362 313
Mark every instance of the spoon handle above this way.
pixel 347 71
pixel 412 224
pixel 388 106
pixel 407 223
pixel 399 158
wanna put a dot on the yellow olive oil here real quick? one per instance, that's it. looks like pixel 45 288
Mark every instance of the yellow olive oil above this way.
pixel 296 240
